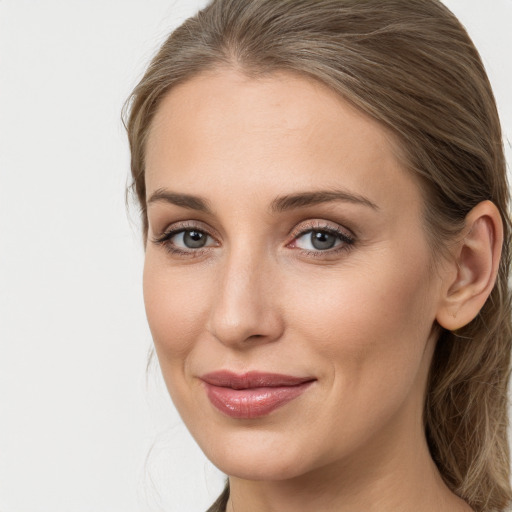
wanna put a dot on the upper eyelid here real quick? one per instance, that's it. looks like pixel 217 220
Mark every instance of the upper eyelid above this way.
pixel 316 224
pixel 169 233
pixel 319 224
pixel 188 225
pixel 322 225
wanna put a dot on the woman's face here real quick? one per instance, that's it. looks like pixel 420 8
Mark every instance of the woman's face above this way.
pixel 288 279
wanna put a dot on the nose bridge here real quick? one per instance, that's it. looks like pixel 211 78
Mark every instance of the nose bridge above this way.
pixel 243 310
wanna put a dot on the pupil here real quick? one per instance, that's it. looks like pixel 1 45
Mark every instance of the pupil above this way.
pixel 322 240
pixel 194 239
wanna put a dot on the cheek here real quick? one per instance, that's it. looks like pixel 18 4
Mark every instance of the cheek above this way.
pixel 174 309
pixel 369 324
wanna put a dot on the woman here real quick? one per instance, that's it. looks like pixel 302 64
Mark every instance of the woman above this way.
pixel 325 210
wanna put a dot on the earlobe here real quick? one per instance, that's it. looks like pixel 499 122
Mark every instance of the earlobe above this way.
pixel 474 267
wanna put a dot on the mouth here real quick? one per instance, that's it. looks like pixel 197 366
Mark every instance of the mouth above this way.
pixel 253 394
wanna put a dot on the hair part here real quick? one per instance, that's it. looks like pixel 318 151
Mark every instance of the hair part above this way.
pixel 410 65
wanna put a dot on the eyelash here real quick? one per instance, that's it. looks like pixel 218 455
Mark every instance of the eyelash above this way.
pixel 347 240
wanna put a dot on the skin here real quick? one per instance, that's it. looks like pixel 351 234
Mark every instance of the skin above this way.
pixel 360 318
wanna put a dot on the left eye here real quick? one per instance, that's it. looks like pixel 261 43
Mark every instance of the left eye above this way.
pixel 319 240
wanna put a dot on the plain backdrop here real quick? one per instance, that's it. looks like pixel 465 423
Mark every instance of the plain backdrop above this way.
pixel 81 427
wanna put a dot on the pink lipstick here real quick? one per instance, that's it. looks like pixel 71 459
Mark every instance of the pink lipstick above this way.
pixel 253 394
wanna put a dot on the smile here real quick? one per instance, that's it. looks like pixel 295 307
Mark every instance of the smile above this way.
pixel 254 394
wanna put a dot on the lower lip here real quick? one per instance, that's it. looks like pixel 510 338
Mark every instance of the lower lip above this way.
pixel 254 402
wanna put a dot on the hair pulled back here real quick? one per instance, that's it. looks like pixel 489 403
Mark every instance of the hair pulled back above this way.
pixel 410 65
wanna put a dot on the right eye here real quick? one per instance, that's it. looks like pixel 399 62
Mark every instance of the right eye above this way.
pixel 189 239
pixel 185 241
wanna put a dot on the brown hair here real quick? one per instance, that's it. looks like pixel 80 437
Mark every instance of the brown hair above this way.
pixel 410 65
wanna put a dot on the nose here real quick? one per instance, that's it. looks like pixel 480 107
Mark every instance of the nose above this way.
pixel 245 308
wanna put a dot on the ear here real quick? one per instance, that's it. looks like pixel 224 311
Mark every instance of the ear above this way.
pixel 472 271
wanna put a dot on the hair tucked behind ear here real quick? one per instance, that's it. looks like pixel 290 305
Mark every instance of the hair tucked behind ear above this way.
pixel 410 65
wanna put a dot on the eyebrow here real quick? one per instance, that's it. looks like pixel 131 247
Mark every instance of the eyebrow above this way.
pixel 304 199
pixel 278 205
pixel 183 200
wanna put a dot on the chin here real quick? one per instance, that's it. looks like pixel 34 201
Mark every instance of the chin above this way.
pixel 264 468
pixel 260 457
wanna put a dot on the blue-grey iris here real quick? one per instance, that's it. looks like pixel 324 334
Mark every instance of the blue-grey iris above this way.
pixel 322 240
pixel 194 239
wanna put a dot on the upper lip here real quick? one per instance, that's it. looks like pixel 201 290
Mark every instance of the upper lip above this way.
pixel 253 379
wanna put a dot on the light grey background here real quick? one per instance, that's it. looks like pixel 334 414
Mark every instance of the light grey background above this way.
pixel 80 428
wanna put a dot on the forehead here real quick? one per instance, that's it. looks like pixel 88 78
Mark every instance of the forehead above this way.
pixel 225 127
